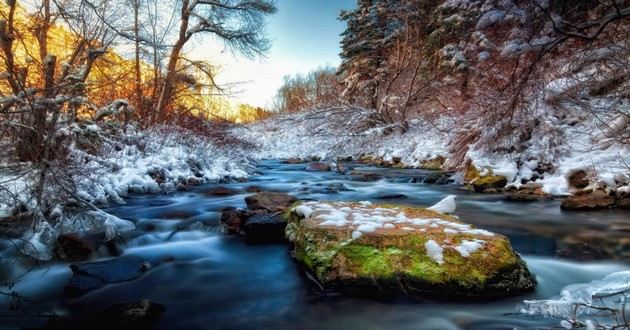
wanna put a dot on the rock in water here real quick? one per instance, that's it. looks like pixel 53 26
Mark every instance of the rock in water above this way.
pixel 142 314
pixel 88 276
pixel 319 167
pixel 270 201
pixel 598 199
pixel 446 205
pixel 370 250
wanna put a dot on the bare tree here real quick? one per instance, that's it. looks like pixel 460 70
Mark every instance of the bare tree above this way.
pixel 236 22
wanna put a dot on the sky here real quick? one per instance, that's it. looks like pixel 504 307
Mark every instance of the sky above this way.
pixel 304 36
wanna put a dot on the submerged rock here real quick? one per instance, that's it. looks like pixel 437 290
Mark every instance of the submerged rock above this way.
pixel 232 219
pixel 597 199
pixel 263 221
pixel 78 246
pixel 15 226
pixel 371 250
pixel 265 228
pixel 319 167
pixel 221 191
pixel 141 314
pixel 90 276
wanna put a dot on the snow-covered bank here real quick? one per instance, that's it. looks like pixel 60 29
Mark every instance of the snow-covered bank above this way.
pixel 548 161
pixel 343 132
pixel 105 163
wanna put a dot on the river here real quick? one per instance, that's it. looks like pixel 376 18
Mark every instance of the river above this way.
pixel 210 280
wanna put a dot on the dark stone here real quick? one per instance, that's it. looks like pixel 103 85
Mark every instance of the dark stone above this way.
pixel 392 196
pixel 598 199
pixel 318 167
pixel 489 184
pixel 232 219
pixel 142 314
pixel 624 203
pixel 578 179
pixel 221 191
pixel 365 177
pixel 437 178
pixel 90 276
pixel 253 189
pixel 77 247
pixel 294 161
pixel 15 226
pixel 265 228
pixel 270 201
pixel 158 175
pixel 528 195
pixel 177 214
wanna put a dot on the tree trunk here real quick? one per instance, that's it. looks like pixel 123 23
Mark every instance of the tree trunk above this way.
pixel 169 80
pixel 136 31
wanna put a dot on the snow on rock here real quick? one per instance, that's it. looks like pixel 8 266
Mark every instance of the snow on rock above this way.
pixel 304 211
pixel 466 247
pixel 446 205
pixel 435 251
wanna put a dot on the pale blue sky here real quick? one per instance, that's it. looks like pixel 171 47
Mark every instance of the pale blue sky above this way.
pixel 304 34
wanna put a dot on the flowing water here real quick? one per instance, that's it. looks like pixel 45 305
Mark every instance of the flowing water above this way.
pixel 210 280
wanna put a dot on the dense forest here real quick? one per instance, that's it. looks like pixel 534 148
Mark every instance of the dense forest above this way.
pixel 103 106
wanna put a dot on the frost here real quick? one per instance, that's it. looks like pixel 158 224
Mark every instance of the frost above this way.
pixel 490 18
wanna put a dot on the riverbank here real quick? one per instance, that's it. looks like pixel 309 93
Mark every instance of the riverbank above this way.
pixel 544 162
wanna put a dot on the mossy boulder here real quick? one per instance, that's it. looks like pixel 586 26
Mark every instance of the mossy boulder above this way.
pixel 373 250
pixel 489 182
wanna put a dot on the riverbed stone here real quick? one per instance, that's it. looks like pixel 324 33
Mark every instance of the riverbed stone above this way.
pixel 141 314
pixel 15 226
pixel 528 195
pixel 318 167
pixel 597 199
pixel 232 219
pixel 624 203
pixel 433 164
pixel 372 250
pixel 484 183
pixel 270 201
pixel 294 161
pixel 265 228
pixel 78 246
pixel 89 276
pixel 578 179
pixel 221 191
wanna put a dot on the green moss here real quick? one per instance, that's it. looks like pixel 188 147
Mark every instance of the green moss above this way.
pixel 480 183
pixel 370 262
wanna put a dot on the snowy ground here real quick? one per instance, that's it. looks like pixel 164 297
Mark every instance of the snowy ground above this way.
pixel 333 133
